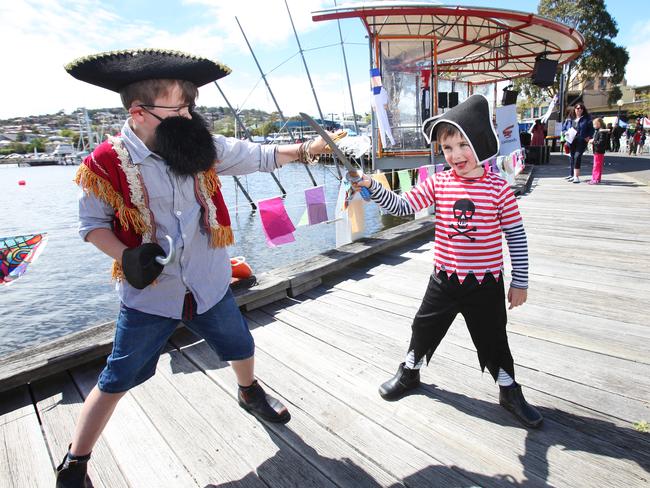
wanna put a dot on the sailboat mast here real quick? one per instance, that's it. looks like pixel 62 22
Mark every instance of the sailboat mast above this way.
pixel 284 120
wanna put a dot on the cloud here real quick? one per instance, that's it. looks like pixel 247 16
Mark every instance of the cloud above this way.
pixel 40 36
pixel 637 71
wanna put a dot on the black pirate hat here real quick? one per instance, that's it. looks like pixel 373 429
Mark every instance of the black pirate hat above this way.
pixel 116 69
pixel 473 120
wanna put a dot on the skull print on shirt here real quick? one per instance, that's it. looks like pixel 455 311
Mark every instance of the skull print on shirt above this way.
pixel 464 210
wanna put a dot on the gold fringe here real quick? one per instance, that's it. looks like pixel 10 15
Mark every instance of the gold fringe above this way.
pixel 211 181
pixel 129 217
pixel 221 237
pixel 116 272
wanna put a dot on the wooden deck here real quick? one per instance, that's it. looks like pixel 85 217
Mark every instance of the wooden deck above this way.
pixel 581 346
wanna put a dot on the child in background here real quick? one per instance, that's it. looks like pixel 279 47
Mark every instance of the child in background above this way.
pixel 473 209
pixel 601 143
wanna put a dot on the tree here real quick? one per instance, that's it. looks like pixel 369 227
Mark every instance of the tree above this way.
pixel 601 55
pixel 38 144
pixel 641 109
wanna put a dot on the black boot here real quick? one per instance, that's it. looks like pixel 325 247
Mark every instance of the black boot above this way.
pixel 72 472
pixel 254 400
pixel 512 399
pixel 404 380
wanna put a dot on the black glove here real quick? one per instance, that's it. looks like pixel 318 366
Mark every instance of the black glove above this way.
pixel 140 265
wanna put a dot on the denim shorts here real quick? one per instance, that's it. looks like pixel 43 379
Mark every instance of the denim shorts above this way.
pixel 140 338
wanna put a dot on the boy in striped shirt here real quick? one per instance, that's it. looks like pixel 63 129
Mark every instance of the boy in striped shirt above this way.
pixel 473 209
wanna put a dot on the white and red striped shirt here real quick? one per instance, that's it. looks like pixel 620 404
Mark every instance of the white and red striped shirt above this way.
pixel 471 214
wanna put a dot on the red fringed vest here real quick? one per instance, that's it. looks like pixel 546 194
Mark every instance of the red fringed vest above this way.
pixel 110 175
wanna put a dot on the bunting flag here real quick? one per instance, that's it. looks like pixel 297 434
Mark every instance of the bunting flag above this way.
pixel 423 173
pixel 276 223
pixel 16 253
pixel 440 168
pixel 350 216
pixel 404 180
pixel 381 179
pixel 316 207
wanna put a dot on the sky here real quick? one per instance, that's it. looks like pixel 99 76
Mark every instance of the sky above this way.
pixel 40 36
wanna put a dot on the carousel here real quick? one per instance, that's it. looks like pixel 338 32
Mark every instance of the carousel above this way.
pixel 426 58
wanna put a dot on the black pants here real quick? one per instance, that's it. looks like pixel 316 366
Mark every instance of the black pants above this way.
pixel 483 307
pixel 577 147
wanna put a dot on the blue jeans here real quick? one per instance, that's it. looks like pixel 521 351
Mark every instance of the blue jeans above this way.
pixel 140 338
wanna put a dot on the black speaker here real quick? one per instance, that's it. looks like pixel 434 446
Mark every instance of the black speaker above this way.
pixel 544 72
pixel 453 99
pixel 509 97
pixel 442 100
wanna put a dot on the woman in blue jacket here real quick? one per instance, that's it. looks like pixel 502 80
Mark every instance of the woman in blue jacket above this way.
pixel 580 120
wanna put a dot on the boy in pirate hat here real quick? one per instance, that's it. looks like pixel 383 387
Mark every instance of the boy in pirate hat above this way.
pixel 473 208
pixel 159 178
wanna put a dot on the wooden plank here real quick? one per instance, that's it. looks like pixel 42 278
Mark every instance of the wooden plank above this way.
pixel 59 404
pixel 55 356
pixel 578 392
pixel 143 455
pixel 571 363
pixel 354 382
pixel 622 466
pixel 195 433
pixel 350 432
pixel 283 455
pixel 24 459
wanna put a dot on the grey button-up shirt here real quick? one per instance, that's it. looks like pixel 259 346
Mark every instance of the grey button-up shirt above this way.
pixel 199 268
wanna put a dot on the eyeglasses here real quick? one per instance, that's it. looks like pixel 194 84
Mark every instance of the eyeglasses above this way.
pixel 188 107
pixel 580 108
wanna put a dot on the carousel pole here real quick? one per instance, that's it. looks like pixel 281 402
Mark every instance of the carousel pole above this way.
pixel 284 120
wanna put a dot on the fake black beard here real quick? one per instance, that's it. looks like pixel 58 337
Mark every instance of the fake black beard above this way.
pixel 185 144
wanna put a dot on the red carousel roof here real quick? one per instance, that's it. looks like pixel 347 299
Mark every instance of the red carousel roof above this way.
pixel 478 45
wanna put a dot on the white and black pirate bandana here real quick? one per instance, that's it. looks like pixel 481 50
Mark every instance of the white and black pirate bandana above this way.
pixel 473 120
pixel 116 69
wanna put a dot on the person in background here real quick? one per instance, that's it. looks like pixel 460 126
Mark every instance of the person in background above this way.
pixel 639 147
pixel 580 121
pixel 610 129
pixel 634 141
pixel 539 133
pixel 600 143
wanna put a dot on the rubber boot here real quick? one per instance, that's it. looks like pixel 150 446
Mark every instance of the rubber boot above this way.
pixel 404 381
pixel 73 472
pixel 512 399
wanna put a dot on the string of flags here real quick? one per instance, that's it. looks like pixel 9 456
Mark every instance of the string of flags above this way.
pixel 349 211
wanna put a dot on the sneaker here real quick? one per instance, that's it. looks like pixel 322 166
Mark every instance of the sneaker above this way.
pixel 593 182
pixel 575 180
pixel 255 401
pixel 568 177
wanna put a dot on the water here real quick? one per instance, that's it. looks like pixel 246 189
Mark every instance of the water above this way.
pixel 69 288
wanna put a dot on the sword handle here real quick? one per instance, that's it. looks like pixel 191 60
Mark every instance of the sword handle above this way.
pixel 365 192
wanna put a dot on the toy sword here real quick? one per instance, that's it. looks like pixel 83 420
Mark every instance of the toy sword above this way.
pixel 352 170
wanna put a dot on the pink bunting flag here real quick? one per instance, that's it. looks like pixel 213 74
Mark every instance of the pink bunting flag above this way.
pixel 276 224
pixel 423 173
pixel 316 207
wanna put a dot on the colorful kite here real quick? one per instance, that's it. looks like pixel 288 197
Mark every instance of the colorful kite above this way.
pixel 16 253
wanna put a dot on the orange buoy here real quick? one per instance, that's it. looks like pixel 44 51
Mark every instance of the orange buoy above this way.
pixel 240 268
pixel 22 182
